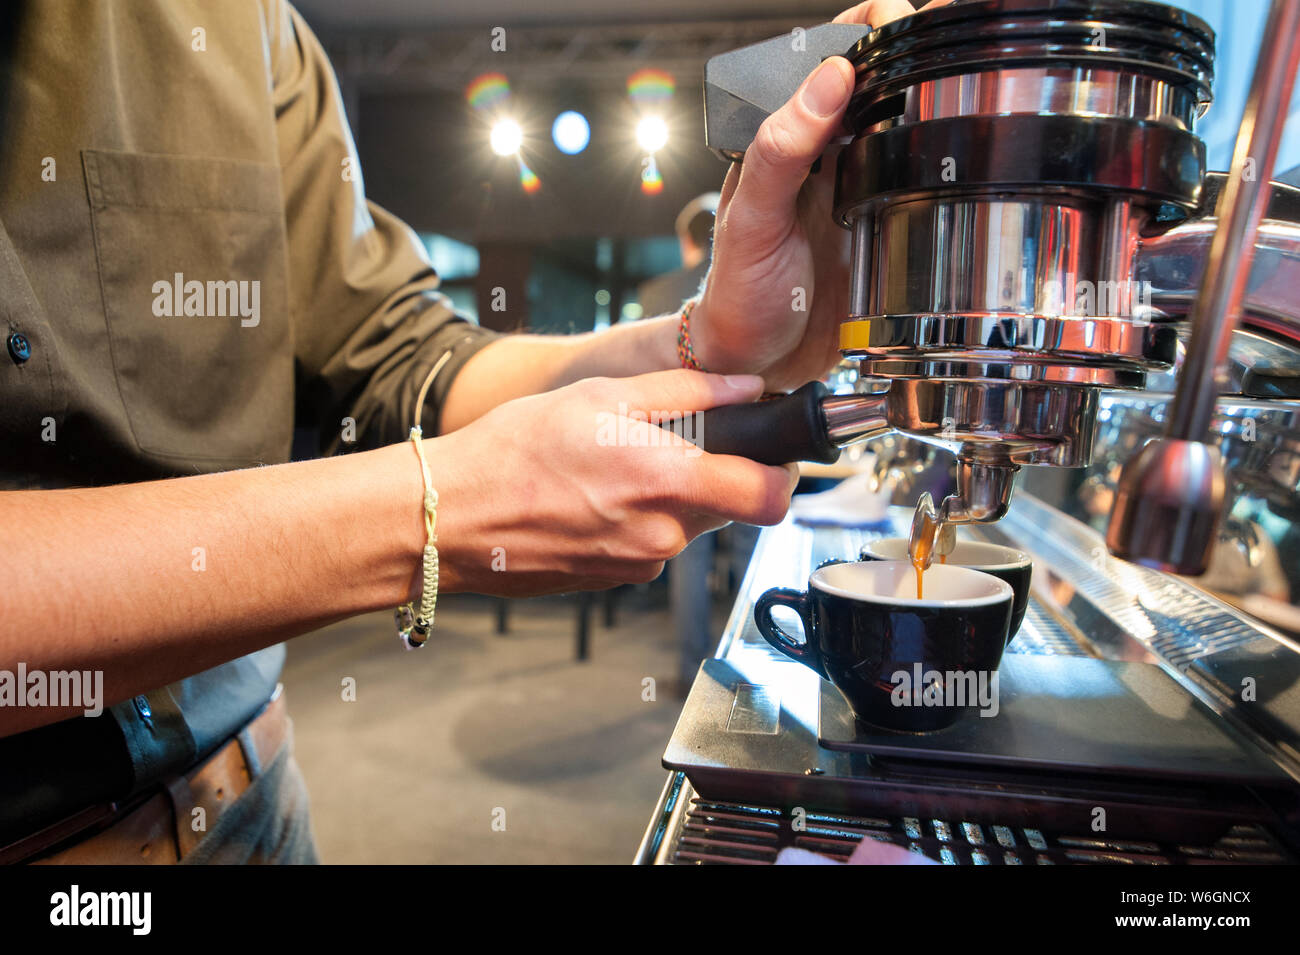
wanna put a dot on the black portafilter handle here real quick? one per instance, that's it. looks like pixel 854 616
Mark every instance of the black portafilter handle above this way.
pixel 770 431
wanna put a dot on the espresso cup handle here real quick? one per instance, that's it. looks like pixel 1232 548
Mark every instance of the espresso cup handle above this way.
pixel 796 600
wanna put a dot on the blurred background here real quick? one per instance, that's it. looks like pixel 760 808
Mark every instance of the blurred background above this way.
pixel 571 223
pixel 547 150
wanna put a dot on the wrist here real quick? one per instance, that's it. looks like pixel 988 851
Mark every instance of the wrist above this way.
pixel 632 348
pixel 654 343
pixel 709 351
pixel 664 342
pixel 394 483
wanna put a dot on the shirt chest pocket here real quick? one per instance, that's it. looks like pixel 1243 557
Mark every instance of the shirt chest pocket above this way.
pixel 192 262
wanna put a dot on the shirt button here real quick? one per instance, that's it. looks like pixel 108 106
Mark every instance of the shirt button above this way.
pixel 20 349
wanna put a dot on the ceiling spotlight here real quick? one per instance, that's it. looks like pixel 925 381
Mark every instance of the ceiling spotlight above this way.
pixel 571 132
pixel 652 134
pixel 506 137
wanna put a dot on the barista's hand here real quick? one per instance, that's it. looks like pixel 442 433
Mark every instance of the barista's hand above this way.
pixel 779 284
pixel 568 490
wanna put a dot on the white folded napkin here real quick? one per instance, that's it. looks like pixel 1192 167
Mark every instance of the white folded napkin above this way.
pixel 851 503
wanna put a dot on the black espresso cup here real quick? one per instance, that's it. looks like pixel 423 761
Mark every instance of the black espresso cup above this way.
pixel 1005 563
pixel 900 662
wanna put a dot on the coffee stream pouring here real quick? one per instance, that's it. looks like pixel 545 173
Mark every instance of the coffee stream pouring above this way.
pixel 931 536
pixel 1009 162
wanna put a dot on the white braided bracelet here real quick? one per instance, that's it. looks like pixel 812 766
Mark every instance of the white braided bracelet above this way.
pixel 413 628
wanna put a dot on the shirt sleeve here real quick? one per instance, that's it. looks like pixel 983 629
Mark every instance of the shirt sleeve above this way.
pixel 368 321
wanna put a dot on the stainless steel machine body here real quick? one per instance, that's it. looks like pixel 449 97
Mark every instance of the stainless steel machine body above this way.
pixel 1007 158
pixel 1034 237
pixel 1012 166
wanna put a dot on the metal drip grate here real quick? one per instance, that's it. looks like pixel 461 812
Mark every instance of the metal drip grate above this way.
pixel 1171 616
pixel 721 833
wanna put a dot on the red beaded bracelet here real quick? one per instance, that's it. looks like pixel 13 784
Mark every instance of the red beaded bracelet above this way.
pixel 685 350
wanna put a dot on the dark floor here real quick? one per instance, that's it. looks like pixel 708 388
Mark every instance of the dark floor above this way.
pixel 478 727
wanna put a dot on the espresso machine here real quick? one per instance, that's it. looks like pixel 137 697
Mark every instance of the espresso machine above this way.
pixel 1049 285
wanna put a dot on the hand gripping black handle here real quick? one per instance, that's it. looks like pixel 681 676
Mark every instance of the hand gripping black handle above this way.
pixel 772 431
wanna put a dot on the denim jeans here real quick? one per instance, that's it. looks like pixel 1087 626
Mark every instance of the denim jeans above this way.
pixel 269 824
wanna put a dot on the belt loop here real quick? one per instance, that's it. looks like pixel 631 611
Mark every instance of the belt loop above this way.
pixel 246 743
pixel 183 805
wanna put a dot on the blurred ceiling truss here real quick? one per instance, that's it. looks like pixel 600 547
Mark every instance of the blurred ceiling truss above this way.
pixel 537 57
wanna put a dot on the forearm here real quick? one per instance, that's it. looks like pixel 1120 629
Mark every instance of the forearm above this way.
pixel 520 365
pixel 154 582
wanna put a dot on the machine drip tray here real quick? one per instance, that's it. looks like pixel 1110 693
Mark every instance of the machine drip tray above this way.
pixel 1071 715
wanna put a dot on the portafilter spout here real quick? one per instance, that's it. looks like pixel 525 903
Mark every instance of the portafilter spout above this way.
pixel 1169 497
pixel 983 495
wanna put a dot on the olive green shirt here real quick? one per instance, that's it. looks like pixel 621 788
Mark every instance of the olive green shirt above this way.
pixel 189 269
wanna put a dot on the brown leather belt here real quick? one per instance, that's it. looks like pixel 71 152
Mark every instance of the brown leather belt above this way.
pixel 167 826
